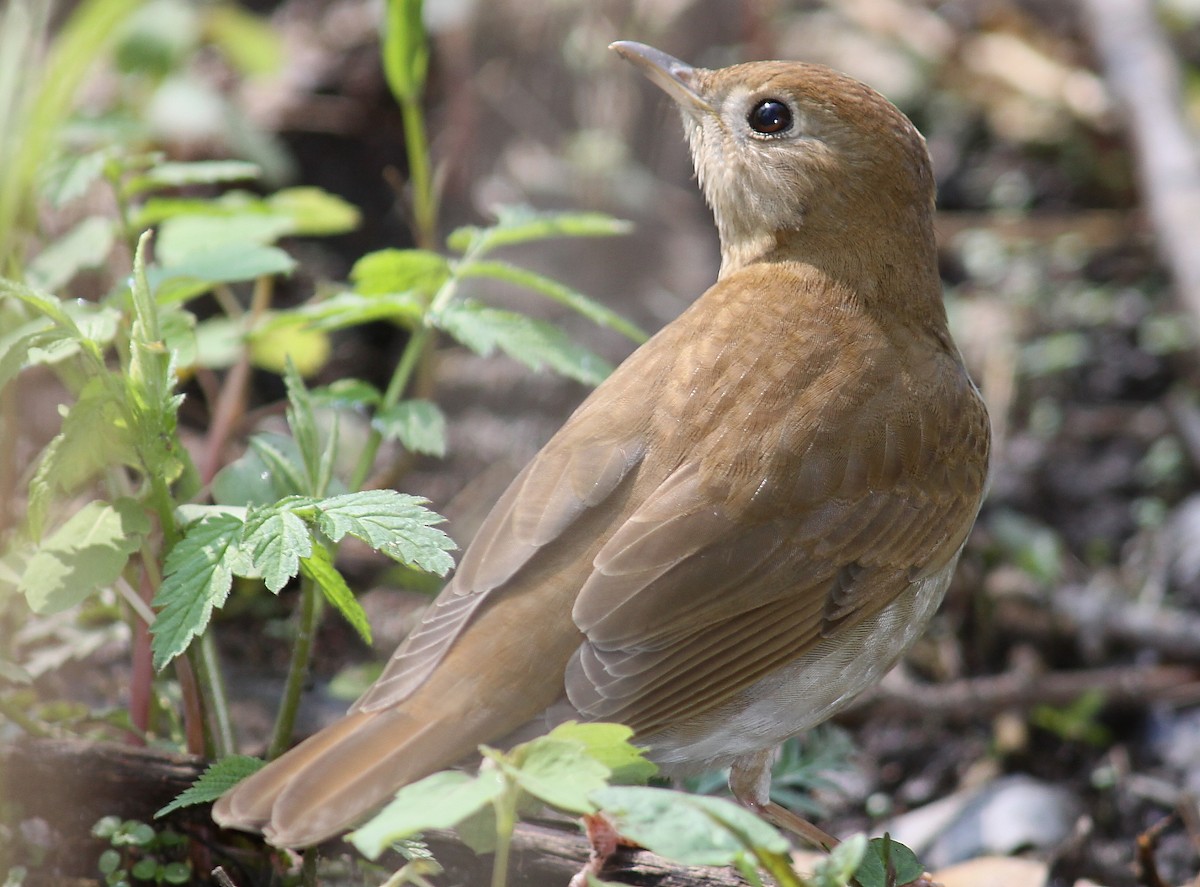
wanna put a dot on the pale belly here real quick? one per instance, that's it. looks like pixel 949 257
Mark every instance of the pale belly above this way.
pixel 804 693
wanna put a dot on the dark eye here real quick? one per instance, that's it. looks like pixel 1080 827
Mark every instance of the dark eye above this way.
pixel 770 116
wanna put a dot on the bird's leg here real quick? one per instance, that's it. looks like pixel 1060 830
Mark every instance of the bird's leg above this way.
pixel 750 782
pixel 604 840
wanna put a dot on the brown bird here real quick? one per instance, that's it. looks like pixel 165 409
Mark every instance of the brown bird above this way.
pixel 741 529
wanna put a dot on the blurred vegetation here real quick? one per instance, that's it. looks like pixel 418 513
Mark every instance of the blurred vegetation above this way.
pixel 264 144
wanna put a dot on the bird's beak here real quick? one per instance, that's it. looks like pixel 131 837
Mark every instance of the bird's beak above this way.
pixel 677 79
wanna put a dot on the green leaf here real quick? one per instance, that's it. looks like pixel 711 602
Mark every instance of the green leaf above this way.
pixel 559 292
pixel 837 869
pixel 354 394
pixel 353 309
pixel 275 539
pixel 438 801
pixel 217 779
pixel 886 863
pixel 177 873
pixel 320 569
pixel 48 306
pixel 284 464
pixel 559 772
pixel 73 175
pixel 690 829
pixel 391 522
pixel 417 424
pixel 198 575
pixel 232 262
pixel 219 341
pixel 303 423
pixel 405 49
pixel 313 212
pixel 95 436
pixel 535 343
pixel 144 869
pixel 86 553
pixel 184 237
pixel 109 861
pixel 521 224
pixel 609 744
pixel 16 342
pixel 248 41
pixel 200 172
pixel 87 245
pixel 398 271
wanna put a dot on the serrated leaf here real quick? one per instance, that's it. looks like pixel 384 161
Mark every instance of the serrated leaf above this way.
pixel 882 854
pixel 46 305
pixel 218 778
pixel 398 271
pixel 609 744
pixel 85 246
pixel 320 568
pixel 397 524
pixel 303 423
pixel 200 172
pixel 558 772
pixel 405 49
pixel 353 309
pixel 275 539
pixel 535 343
pixel 558 292
pixel 95 435
pixel 690 829
pixel 438 801
pixel 418 425
pixel 522 224
pixel 16 343
pixel 197 577
pixel 86 553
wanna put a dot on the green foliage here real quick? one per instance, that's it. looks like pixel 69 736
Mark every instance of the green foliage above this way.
pixel 140 854
pixel 1077 722
pixel 1035 548
pixel 886 863
pixel 217 779
pixel 803 767
pixel 572 769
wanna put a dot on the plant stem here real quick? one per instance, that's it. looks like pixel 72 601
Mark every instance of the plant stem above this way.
pixel 506 821
pixel 308 869
pixel 297 670
pixel 211 678
pixel 424 202
pixel 409 361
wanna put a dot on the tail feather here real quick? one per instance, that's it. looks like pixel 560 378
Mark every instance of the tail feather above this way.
pixel 336 778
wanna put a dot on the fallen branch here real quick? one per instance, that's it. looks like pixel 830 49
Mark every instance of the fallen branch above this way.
pixel 977 698
pixel 71 783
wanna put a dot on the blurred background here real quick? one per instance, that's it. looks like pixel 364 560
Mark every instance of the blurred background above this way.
pixel 1053 710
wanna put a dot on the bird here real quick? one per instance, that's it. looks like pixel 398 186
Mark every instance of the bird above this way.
pixel 745 525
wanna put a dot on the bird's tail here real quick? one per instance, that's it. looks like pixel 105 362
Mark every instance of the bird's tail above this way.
pixel 331 781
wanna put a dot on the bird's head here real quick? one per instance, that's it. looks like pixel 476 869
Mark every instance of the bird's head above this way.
pixel 795 157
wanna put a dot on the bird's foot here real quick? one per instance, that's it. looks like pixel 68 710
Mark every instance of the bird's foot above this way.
pixel 604 840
